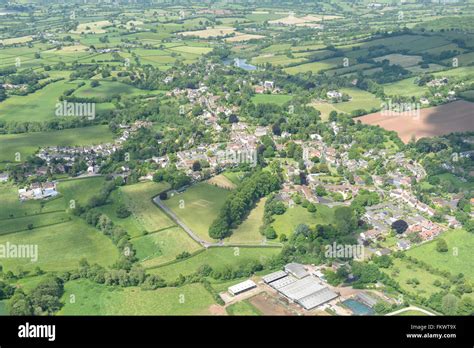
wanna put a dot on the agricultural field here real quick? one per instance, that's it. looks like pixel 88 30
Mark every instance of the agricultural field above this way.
pixel 457 260
pixel 201 200
pixel 248 232
pixel 242 308
pixel 217 258
pixel 210 32
pixel 286 223
pixel 92 27
pixel 159 247
pixel 406 88
pixel 174 84
pixel 138 199
pixel 27 144
pixel 79 190
pixel 97 299
pixel 400 59
pixel 110 89
pixel 61 247
pixel 360 100
pixel 403 272
pixel 42 102
pixel 439 120
pixel 278 99
pixel 316 67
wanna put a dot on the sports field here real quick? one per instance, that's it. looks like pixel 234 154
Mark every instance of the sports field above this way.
pixel 198 206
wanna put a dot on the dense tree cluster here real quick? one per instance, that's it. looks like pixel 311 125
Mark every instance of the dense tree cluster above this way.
pixel 239 203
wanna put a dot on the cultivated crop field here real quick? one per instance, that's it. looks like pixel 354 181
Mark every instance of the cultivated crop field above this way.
pixel 444 119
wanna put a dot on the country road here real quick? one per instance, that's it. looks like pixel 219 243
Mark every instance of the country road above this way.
pixel 411 308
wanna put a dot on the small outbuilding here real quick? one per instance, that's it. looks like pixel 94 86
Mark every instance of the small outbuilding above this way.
pixel 241 287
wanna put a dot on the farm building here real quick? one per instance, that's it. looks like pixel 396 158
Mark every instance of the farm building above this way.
pixel 366 299
pixel 242 287
pixel 307 292
pixel 299 287
pixel 296 270
pixel 274 276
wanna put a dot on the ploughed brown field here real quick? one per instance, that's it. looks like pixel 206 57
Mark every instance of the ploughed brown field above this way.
pixel 457 116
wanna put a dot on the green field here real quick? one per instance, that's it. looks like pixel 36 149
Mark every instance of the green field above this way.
pixel 33 221
pixel 201 200
pixel 35 107
pixel 80 190
pixel 315 67
pixel 242 308
pixel 286 223
pixel 97 299
pixel 405 88
pixel 27 144
pixel 279 99
pixel 214 257
pixel 401 271
pixel 163 246
pixel 60 247
pixel 138 198
pixel 16 215
pixel 248 231
pixel 456 182
pixel 3 307
pixel 281 60
pixel 360 100
pixel 455 261
pixel 11 207
pixel 110 89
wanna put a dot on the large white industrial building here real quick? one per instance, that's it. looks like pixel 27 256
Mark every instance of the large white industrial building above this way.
pixel 300 287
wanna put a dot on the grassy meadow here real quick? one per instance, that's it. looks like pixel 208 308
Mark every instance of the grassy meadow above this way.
pixel 216 258
pixel 198 206
pixel 97 299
